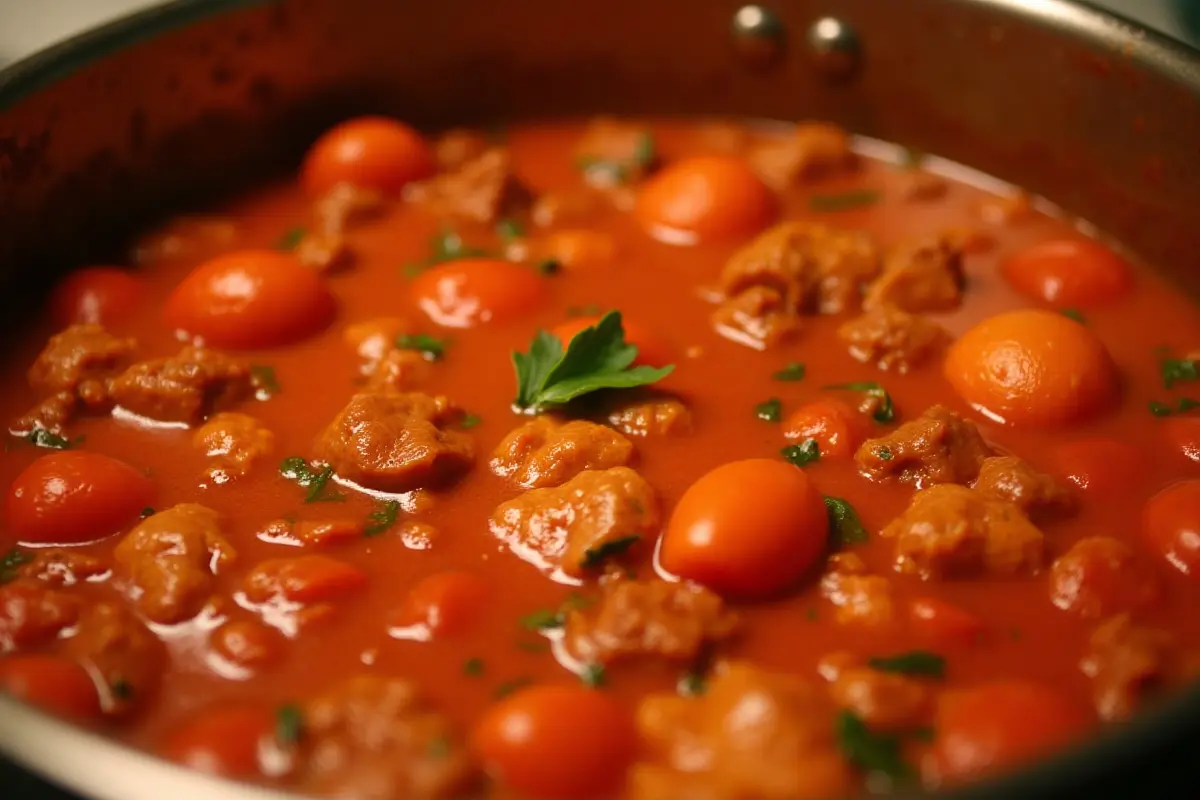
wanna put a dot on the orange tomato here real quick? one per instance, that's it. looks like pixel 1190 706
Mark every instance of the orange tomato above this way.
pixel 73 497
pixel 472 291
pixel 704 198
pixel 561 742
pixel 55 685
pixel 96 295
pixel 998 725
pixel 370 152
pixel 747 529
pixel 1183 434
pixel 944 623
pixel 247 642
pixel 1032 368
pixel 222 741
pixel 837 428
pixel 1098 466
pixel 250 299
pixel 446 603
pixel 1068 272
pixel 653 350
pixel 305 579
pixel 1171 524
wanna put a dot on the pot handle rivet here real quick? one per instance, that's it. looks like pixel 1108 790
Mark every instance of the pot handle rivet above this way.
pixel 758 36
pixel 834 47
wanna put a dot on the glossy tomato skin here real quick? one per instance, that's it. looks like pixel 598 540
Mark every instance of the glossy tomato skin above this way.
pixel 1171 525
pixel 747 530
pixel 74 496
pixel 1068 272
pixel 704 198
pixel 250 299
pixel 474 291
pixel 223 741
pixel 444 603
pixel 54 684
pixel 95 295
pixel 1099 466
pixel 368 152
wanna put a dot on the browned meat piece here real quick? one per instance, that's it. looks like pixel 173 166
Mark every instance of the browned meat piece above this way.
pixel 639 618
pixel 1101 576
pixel 457 146
pixel 376 738
pixel 576 526
pixel 122 656
pixel 613 152
pixel 546 452
pixel 397 442
pixel 234 442
pixel 937 447
pixel 665 417
pixel 186 237
pixel 885 701
pixel 186 387
pixel 1035 493
pixel 756 318
pixel 170 559
pixel 61 566
pixel 1126 663
pixel 919 275
pixel 752 734
pixel 52 414
pixel 483 190
pixel 922 187
pixel 815 151
pixel 344 205
pixel 399 371
pixel 570 207
pixel 323 251
pixel 81 360
pixel 950 531
pixel 32 613
pixel 892 339
pixel 857 596
pixel 372 339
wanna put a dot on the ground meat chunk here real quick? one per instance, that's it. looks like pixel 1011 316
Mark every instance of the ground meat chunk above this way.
pixel 752 734
pixel 399 371
pixel 885 701
pixel 892 339
pixel 31 613
pixel 665 417
pixel 639 618
pixel 919 275
pixel 816 150
pixel 950 531
pixel 1126 662
pixel 234 442
pixel 612 152
pixel 344 205
pixel 122 655
pixel 80 360
pixel 61 566
pixel 186 387
pixel 937 447
pixel 397 442
pixel 483 189
pixel 1101 576
pixel 575 526
pixel 857 596
pixel 311 532
pixel 457 146
pixel 170 560
pixel 546 452
pixel 375 738
pixel 757 318
pixel 1035 493
pixel 51 414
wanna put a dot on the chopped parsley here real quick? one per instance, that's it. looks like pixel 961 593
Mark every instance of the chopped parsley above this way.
pixel 289 724
pixel 593 676
pixel 844 524
pixel 1075 314
pixel 473 667
pixel 548 266
pixel 41 437
pixel 598 357
pixel 438 747
pixel 469 421
pixel 12 561
pixel 509 229
pixel 914 662
pixel 1165 410
pixel 884 453
pixel 594 557
pixel 147 512
pixel 316 481
pixel 121 689
pixel 382 518
pixel 769 410
pixel 510 686
pixel 265 382
pixel 692 684
pixel 1178 370
pixel 811 614
pixel 843 202
pixel 886 412
pixel 542 619
pixel 290 238
pixel 869 751
pixel 446 246
pixel 644 150
pixel 429 346
pixel 802 454
pixel 792 371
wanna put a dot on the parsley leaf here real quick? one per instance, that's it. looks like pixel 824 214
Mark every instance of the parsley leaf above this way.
pixel 12 561
pixel 446 246
pixel 548 266
pixel 147 512
pixel 844 523
pixel 886 412
pixel 1075 314
pixel 802 454
pixel 1178 370
pixel 289 724
pixel 871 751
pixel 429 346
pixel 290 238
pixel 598 357
pixel 121 689
pixel 692 684
pixel 469 421
pixel 595 556
pixel 473 667
pixel 316 481
pixel 593 676
pixel 645 151
pixel 382 518
pixel 438 747
pixel 508 687
pixel 41 437
pixel 884 453
pixel 792 371
pixel 769 410
pixel 1165 410
pixel 914 662
pixel 843 202
pixel 509 229
pixel 542 619
pixel 264 380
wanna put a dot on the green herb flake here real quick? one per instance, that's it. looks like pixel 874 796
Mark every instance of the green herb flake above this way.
pixel 264 380
pixel 914 662
pixel 1184 404
pixel 290 238
pixel 594 557
pixel 598 357
pixel 147 512
pixel 604 170
pixel 869 751
pixel 510 686
pixel 12 562
pixel 469 421
pixel 548 266
pixel 541 620
pixel 1178 370
pixel 576 601
pixel 539 646
pixel 1160 409
pixel 40 437
pixel 121 689
pixel 844 524
pixel 644 150
pixel 884 453
pixel 509 229
pixel 473 667
pixel 769 410
pixel 301 472
pixel 429 346
pixel 593 676
pixel 792 371
pixel 438 747
pixel 446 246
pixel 289 724
pixel 382 518
pixel 1075 314
pixel 886 411
pixel 843 202
pixel 811 614
pixel 692 684
pixel 802 454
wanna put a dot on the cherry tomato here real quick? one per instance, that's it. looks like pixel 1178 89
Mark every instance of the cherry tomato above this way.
pixel 304 579
pixel 223 741
pixel 1098 466
pixel 653 350
pixel 96 295
pixel 1183 434
pixel 1171 523
pixel 445 603
pixel 472 291
pixel 55 685
pixel 534 742
pixel 747 529
pixel 369 152
pixel 837 428
pixel 247 642
pixel 1068 272
pixel 704 198
pixel 74 496
pixel 942 622
pixel 250 299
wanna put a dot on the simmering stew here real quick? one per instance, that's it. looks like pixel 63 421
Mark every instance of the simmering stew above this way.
pixel 650 458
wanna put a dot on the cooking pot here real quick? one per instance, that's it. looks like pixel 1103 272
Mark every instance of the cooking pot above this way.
pixel 172 106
